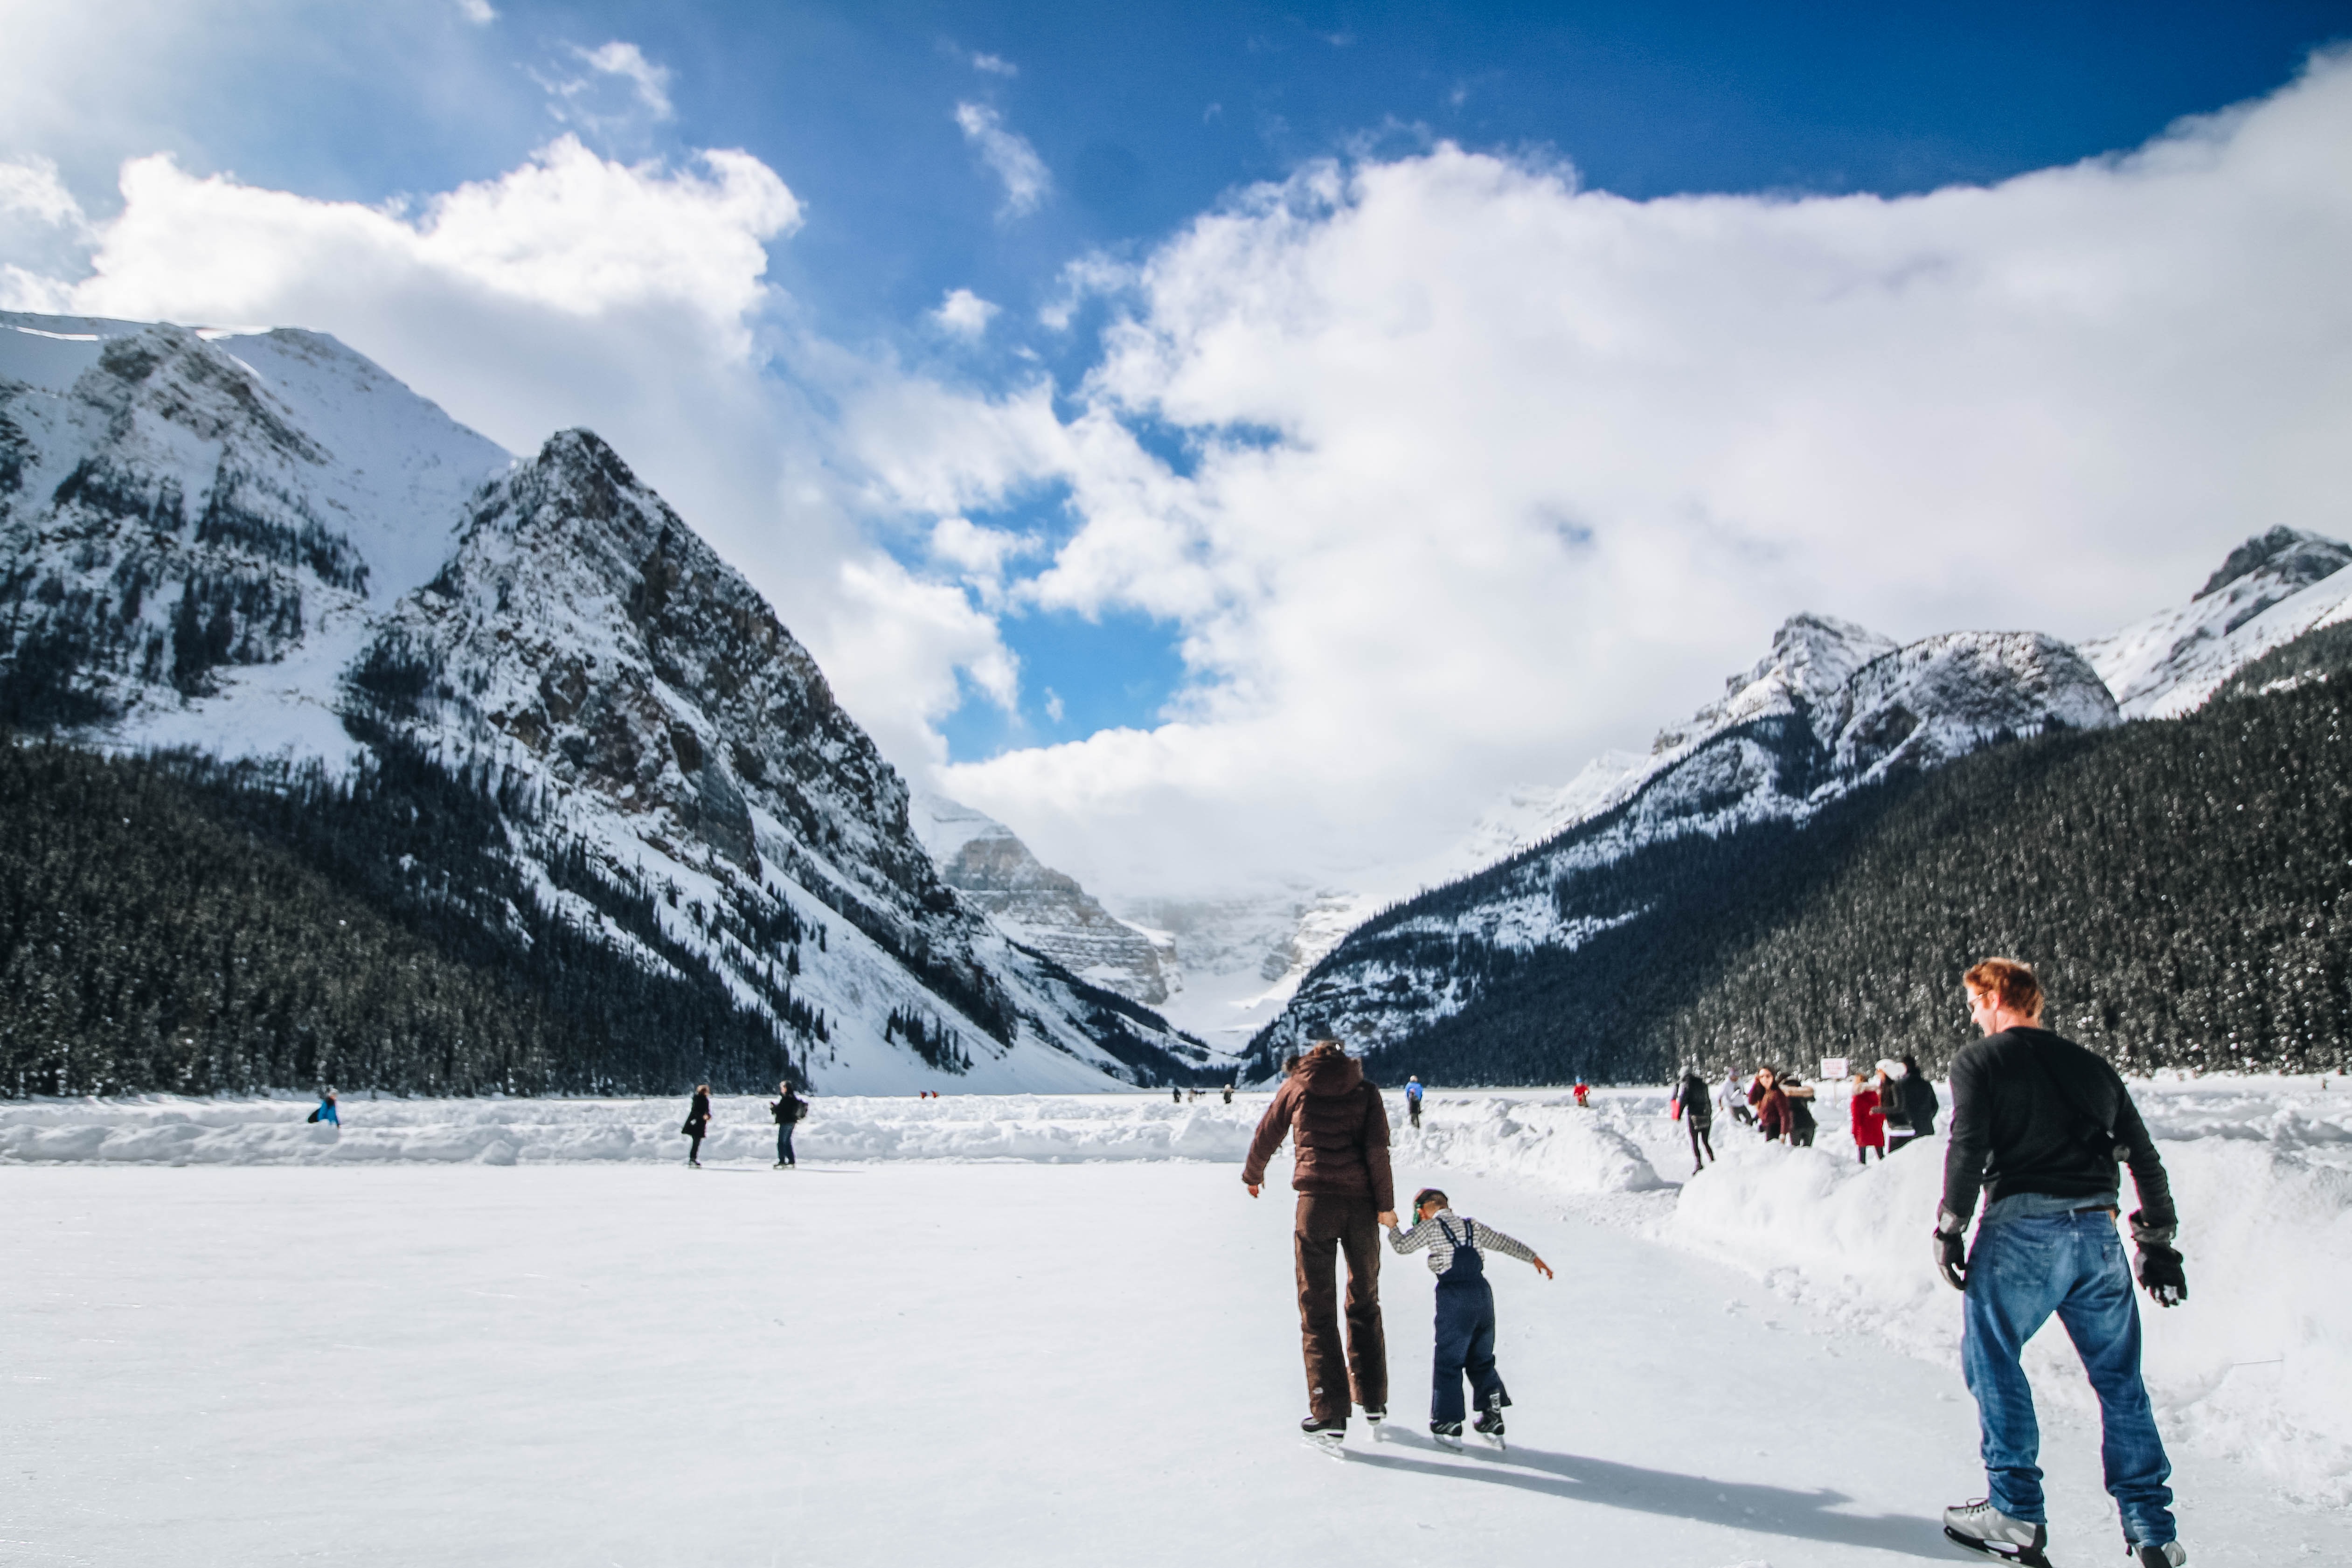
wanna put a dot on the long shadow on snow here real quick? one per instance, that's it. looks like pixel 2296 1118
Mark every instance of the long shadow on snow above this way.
pixel 1733 1505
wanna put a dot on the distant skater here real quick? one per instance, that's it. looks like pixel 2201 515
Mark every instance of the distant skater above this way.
pixel 1802 1125
pixel 1465 1312
pixel 788 1110
pixel 1176 1094
pixel 326 1111
pixel 1582 1089
pixel 1696 1107
pixel 1772 1105
pixel 1346 1193
pixel 697 1123
pixel 1735 1099
pixel 1229 1094
pixel 1869 1127
pixel 1412 1099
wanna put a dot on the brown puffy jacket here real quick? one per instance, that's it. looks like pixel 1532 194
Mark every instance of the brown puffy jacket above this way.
pixel 1340 1127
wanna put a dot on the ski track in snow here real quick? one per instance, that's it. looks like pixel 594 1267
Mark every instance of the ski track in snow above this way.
pixel 2253 1369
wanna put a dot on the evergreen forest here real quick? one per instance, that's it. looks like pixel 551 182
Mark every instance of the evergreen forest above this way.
pixel 172 922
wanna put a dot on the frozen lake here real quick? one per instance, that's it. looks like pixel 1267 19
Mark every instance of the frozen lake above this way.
pixel 927 1361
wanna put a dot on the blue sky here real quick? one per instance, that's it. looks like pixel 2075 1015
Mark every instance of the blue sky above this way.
pixel 1191 562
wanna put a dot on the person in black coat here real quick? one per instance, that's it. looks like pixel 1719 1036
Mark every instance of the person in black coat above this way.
pixel 697 1123
pixel 788 1109
pixel 1920 1099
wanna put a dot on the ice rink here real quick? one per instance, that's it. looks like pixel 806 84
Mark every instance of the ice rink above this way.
pixel 927 1361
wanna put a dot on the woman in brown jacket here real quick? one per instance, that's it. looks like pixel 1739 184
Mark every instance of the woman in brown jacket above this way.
pixel 1339 1129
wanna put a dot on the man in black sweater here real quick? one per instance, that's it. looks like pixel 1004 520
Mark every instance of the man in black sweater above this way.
pixel 2039 1125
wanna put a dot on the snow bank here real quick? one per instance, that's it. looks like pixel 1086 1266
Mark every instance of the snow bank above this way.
pixel 1556 1145
pixel 2257 1363
pixel 1550 1142
pixel 163 1130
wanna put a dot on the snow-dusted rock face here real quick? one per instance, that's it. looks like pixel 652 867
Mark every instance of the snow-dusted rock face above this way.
pixel 261 544
pixel 1944 697
pixel 1831 709
pixel 174 511
pixel 1037 905
pixel 2270 590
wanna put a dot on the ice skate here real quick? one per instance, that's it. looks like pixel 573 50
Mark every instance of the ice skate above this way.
pixel 1447 1432
pixel 1981 1526
pixel 1379 1419
pixel 2172 1555
pixel 1326 1436
pixel 1489 1424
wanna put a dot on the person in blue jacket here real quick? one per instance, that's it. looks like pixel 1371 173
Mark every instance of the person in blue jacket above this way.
pixel 1412 1099
pixel 326 1111
pixel 1465 1312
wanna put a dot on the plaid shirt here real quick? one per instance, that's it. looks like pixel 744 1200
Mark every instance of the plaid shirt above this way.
pixel 1442 1232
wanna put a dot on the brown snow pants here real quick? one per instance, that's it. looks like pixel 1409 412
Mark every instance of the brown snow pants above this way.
pixel 1332 1222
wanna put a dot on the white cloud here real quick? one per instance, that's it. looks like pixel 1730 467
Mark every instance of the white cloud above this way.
pixel 42 224
pixel 995 65
pixel 1027 182
pixel 650 81
pixel 477 12
pixel 1552 462
pixel 964 313
pixel 622 95
pixel 567 232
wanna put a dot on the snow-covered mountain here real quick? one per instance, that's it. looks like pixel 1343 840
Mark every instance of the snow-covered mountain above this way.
pixel 261 544
pixel 1042 907
pixel 1831 709
pixel 2272 590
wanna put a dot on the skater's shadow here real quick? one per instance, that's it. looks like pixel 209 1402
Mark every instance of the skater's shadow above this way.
pixel 1733 1505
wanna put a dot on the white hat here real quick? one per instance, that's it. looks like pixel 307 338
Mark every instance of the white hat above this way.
pixel 1890 1068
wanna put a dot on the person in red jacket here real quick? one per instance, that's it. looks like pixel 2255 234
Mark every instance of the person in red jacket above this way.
pixel 1583 1089
pixel 1346 1193
pixel 1869 1126
pixel 1772 1116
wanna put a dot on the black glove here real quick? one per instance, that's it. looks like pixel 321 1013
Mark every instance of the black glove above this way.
pixel 2160 1274
pixel 1952 1249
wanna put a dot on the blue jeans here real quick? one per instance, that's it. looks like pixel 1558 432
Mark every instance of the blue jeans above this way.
pixel 2022 1270
pixel 785 1144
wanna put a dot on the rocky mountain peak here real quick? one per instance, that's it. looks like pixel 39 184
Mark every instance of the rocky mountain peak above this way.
pixel 2293 558
pixel 1812 658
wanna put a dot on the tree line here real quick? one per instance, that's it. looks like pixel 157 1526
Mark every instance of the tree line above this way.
pixel 174 923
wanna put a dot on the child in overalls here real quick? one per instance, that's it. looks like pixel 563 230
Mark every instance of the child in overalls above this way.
pixel 1465 1312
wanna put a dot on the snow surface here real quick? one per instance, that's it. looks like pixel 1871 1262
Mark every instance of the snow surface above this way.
pixel 2253 1372
pixel 923 1363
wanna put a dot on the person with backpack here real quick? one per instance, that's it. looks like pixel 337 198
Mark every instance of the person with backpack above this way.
pixel 2039 1124
pixel 1465 1312
pixel 326 1111
pixel 788 1111
pixel 697 1123
pixel 1339 1129
pixel 1412 1099
pixel 1695 1107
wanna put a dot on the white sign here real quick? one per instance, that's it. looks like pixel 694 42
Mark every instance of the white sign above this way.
pixel 1834 1068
